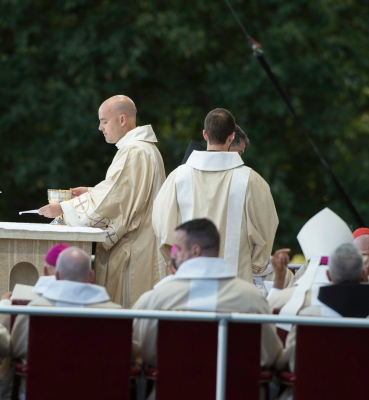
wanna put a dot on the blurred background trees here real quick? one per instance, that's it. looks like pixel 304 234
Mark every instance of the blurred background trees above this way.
pixel 178 60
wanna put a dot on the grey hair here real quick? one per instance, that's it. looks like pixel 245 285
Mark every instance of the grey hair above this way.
pixel 346 264
pixel 239 135
pixel 74 264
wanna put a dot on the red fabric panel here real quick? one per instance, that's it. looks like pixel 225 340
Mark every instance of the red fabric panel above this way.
pixel 243 361
pixel 78 358
pixel 331 363
pixel 187 357
pixel 186 360
pixel 282 334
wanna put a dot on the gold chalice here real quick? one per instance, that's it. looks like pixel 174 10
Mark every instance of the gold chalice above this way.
pixel 57 196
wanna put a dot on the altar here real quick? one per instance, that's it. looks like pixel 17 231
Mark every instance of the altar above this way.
pixel 23 248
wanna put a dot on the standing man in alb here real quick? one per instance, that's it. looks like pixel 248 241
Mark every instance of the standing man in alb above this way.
pixel 215 184
pixel 127 262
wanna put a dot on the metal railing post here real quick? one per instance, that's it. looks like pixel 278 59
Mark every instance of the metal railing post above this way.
pixel 222 359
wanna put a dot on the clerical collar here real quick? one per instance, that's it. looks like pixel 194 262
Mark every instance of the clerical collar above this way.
pixel 204 268
pixel 75 293
pixel 43 283
pixel 214 160
pixel 347 299
pixel 143 133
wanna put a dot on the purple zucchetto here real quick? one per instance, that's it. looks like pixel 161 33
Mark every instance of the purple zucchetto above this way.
pixel 53 254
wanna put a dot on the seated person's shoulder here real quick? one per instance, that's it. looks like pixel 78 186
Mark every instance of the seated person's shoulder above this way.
pixel 279 299
pixel 106 304
pixel 174 291
pixel 240 289
pixel 242 286
pixel 41 302
pixel 141 303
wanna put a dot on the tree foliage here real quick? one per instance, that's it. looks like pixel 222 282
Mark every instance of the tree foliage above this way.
pixel 178 60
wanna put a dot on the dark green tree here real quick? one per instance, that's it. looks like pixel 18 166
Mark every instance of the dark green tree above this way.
pixel 59 60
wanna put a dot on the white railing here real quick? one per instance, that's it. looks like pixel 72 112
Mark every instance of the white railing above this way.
pixel 222 318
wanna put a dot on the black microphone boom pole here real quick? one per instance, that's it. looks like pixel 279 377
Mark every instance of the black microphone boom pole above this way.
pixel 258 53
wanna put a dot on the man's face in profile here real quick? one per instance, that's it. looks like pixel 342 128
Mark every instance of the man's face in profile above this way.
pixel 110 124
pixel 240 147
pixel 181 253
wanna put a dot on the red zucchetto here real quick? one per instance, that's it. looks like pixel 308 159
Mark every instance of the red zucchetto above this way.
pixel 360 232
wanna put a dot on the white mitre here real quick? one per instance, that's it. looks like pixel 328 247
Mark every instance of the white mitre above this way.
pixel 323 233
pixel 318 238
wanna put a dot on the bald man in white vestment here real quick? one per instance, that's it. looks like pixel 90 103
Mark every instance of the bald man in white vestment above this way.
pixel 202 282
pixel 127 262
pixel 216 184
pixel 72 288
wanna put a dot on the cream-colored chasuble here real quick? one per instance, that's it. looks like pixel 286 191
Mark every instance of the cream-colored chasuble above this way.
pixel 204 284
pixel 127 263
pixel 216 185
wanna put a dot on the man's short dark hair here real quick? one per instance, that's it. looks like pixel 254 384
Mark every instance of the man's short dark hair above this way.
pixel 202 232
pixel 219 124
pixel 240 135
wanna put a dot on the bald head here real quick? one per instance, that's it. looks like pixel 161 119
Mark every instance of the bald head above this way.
pixel 74 264
pixel 121 105
pixel 362 242
pixel 117 117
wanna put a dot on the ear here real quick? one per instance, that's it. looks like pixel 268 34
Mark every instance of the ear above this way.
pixel 123 119
pixel 91 276
pixel 57 276
pixel 329 276
pixel 231 137
pixel 196 250
pixel 171 268
pixel 45 271
pixel 206 137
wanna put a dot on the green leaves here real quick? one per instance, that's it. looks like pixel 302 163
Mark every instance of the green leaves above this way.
pixel 59 60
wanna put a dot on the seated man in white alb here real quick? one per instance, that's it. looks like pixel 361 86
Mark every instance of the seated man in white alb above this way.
pixel 348 296
pixel 72 288
pixel 49 268
pixel 26 292
pixel 196 259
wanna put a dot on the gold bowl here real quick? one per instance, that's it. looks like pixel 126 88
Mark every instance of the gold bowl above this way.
pixel 57 196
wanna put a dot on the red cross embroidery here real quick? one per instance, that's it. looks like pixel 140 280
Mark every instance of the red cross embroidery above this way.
pixel 108 235
pixel 97 222
pixel 81 204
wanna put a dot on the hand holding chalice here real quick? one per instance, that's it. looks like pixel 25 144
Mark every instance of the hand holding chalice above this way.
pixel 54 210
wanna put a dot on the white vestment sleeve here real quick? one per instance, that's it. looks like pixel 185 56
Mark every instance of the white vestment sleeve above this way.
pixel 70 216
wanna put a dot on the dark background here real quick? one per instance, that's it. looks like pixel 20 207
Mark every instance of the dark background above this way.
pixel 59 60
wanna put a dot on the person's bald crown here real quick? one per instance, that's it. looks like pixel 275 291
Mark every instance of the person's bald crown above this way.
pixel 74 264
pixel 362 242
pixel 122 105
